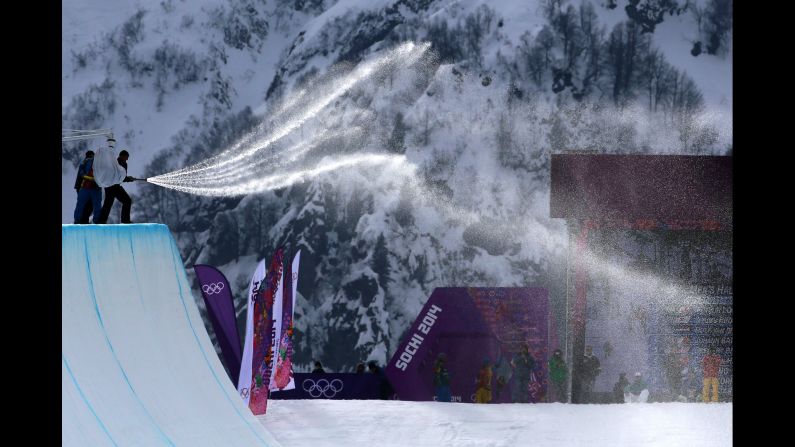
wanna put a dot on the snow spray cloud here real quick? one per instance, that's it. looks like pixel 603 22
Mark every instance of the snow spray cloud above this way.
pixel 648 289
pixel 265 160
pixel 504 190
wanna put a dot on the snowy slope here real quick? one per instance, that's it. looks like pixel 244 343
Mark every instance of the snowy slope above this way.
pixel 712 74
pixel 137 365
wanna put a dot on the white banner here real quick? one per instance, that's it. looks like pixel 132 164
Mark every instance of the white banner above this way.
pixel 294 268
pixel 244 381
pixel 284 340
pixel 276 332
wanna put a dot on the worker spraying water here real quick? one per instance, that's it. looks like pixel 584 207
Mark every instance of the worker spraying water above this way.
pixel 100 169
pixel 275 146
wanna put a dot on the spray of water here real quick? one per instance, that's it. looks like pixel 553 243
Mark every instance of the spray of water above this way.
pixel 264 159
pixel 639 310
pixel 258 162
pixel 276 181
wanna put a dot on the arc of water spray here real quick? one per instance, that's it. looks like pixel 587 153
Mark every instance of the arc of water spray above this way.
pixel 409 51
pixel 207 178
pixel 286 157
pixel 283 180
pixel 241 174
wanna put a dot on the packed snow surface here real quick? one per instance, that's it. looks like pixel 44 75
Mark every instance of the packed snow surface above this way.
pixel 366 423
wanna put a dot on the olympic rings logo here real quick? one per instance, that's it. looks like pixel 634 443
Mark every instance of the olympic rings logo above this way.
pixel 213 288
pixel 322 387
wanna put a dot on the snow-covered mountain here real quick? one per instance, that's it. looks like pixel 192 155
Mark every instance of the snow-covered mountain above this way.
pixel 503 86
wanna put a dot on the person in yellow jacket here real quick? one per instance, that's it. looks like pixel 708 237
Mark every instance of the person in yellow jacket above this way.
pixel 483 392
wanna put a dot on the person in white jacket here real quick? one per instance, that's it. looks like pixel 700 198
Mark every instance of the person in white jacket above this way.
pixel 116 192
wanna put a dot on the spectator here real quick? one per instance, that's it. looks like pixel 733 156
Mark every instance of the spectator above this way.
pixel 590 370
pixel 618 388
pixel 673 372
pixel 483 390
pixel 637 391
pixel 441 379
pixel 360 368
pixel 318 368
pixel 523 364
pixel 711 365
pixel 558 375
pixel 502 371
pixel 385 388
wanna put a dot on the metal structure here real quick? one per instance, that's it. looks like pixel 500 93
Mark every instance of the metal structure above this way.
pixel 76 134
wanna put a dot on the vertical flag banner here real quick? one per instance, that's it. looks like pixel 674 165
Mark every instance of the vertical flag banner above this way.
pixel 221 308
pixel 283 374
pixel 276 329
pixel 262 357
pixel 244 380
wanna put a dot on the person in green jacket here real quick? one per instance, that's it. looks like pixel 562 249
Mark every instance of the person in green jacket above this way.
pixel 558 374
pixel 637 391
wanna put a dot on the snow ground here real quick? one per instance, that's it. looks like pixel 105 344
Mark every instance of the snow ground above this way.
pixel 354 423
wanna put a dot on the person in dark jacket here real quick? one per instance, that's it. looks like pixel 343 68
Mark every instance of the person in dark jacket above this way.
pixel 618 388
pixel 318 368
pixel 360 368
pixel 590 370
pixel 117 192
pixel 441 379
pixel 88 192
pixel 88 208
pixel 385 389
pixel 558 375
pixel 523 363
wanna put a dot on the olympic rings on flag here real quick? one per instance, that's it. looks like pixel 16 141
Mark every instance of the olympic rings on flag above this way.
pixel 213 288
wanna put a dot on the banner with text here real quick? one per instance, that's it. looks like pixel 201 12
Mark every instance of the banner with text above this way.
pixel 262 356
pixel 484 345
pixel 283 370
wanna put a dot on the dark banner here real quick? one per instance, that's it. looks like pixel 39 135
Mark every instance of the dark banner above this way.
pixel 641 186
pixel 332 386
pixel 220 307
pixel 484 345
